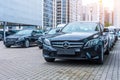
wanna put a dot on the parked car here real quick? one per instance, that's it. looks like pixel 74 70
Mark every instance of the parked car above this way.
pixel 109 36
pixel 77 40
pixel 9 32
pixel 49 33
pixel 119 33
pixel 1 34
pixel 116 30
pixel 23 38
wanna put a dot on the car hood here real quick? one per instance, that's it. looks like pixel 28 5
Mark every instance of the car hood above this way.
pixel 75 36
pixel 17 36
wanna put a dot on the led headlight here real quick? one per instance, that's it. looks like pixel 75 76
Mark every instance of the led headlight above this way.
pixel 91 43
pixel 21 39
pixel 47 42
pixel 40 39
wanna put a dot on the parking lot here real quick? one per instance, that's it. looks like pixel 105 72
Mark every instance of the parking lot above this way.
pixel 28 64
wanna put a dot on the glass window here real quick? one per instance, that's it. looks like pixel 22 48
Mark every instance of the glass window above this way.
pixel 80 27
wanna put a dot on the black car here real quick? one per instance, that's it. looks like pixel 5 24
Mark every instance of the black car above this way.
pixel 1 34
pixel 108 32
pixel 7 33
pixel 50 33
pixel 23 38
pixel 77 40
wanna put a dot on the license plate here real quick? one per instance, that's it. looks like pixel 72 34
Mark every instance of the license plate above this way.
pixel 66 52
pixel 10 42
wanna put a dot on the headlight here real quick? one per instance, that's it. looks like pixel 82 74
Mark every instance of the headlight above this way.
pixel 40 39
pixel 47 42
pixel 91 43
pixel 21 39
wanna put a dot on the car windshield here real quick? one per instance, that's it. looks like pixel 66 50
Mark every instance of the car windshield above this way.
pixel 24 32
pixel 80 27
pixel 53 31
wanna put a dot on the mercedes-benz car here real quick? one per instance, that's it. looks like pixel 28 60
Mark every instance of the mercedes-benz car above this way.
pixel 23 38
pixel 109 36
pixel 50 33
pixel 77 40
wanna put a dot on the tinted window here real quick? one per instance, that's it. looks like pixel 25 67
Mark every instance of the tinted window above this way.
pixel 53 31
pixel 23 32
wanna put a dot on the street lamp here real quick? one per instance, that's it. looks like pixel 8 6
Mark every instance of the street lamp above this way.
pixel 91 10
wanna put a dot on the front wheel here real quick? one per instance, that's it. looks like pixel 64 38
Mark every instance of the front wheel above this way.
pixel 7 46
pixel 49 59
pixel 101 55
pixel 27 44
pixel 1 36
pixel 108 49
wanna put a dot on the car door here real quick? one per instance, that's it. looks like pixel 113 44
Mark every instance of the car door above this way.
pixel 105 38
pixel 35 35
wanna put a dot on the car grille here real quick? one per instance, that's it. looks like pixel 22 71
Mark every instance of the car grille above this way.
pixel 11 39
pixel 71 44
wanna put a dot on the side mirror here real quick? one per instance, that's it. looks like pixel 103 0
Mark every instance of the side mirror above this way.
pixel 33 34
pixel 58 30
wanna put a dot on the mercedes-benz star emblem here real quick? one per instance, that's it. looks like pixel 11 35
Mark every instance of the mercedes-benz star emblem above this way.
pixel 66 44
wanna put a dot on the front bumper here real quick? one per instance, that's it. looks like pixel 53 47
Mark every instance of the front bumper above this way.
pixel 14 43
pixel 71 53
pixel 40 44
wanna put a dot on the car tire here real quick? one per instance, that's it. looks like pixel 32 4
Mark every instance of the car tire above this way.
pixel 7 46
pixel 108 50
pixel 27 44
pixel 49 59
pixel 1 36
pixel 40 47
pixel 101 55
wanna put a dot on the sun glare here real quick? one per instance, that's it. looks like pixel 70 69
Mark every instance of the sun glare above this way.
pixel 109 4
pixel 106 3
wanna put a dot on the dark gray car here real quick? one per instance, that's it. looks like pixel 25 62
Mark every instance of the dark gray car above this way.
pixel 77 40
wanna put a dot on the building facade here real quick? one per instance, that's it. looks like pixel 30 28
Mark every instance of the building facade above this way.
pixel 116 13
pixel 93 12
pixel 108 16
pixel 68 11
pixel 48 13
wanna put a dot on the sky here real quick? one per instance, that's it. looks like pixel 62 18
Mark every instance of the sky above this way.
pixel 106 3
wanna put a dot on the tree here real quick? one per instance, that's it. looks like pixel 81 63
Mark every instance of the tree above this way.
pixel 107 24
pixel 1 27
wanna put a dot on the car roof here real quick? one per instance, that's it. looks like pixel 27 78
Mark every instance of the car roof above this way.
pixel 86 22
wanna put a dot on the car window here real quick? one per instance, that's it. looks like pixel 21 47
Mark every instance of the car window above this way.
pixel 79 27
pixel 23 32
pixel 37 32
pixel 97 28
pixel 52 31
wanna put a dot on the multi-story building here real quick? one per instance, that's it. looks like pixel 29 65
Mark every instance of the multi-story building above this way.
pixel 60 12
pixel 116 13
pixel 68 11
pixel 48 13
pixel 93 12
pixel 62 7
pixel 108 16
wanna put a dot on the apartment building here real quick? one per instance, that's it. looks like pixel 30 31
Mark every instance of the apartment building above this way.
pixel 68 11
pixel 116 13
pixel 93 12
